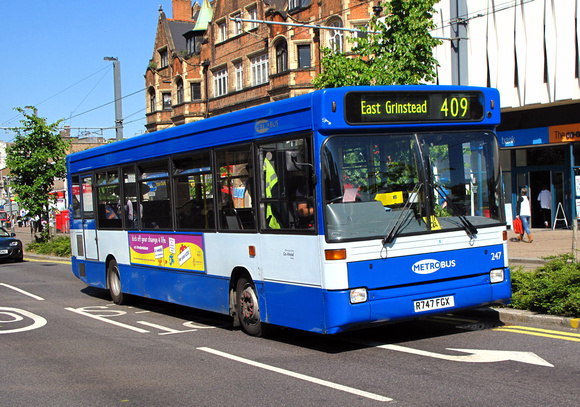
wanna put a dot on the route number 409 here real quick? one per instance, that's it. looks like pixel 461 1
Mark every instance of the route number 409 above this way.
pixel 455 107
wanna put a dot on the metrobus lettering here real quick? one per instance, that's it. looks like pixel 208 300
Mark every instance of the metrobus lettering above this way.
pixel 429 266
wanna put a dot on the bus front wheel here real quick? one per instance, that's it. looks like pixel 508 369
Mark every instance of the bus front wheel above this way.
pixel 247 308
pixel 114 283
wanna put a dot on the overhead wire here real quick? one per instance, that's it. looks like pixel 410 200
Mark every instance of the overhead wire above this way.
pixel 58 93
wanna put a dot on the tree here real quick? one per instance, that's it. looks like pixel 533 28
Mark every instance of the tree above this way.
pixel 36 158
pixel 396 50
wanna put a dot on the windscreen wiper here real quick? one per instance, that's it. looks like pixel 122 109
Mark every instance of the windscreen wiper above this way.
pixel 399 222
pixel 467 225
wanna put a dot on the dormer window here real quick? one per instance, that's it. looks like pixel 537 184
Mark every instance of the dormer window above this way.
pixel 193 44
pixel 163 58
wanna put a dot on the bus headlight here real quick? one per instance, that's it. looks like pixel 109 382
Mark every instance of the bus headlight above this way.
pixel 358 295
pixel 496 276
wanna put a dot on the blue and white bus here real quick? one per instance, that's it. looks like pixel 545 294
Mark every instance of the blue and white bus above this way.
pixel 325 212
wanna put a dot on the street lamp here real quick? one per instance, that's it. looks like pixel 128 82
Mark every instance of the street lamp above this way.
pixel 118 106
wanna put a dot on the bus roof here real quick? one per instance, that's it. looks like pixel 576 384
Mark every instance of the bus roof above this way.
pixel 322 111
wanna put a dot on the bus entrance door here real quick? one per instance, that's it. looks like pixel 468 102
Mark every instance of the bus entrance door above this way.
pixel 88 216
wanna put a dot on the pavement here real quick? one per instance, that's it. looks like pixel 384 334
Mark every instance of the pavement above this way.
pixel 546 242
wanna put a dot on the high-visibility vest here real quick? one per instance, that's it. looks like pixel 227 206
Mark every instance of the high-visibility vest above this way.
pixel 271 180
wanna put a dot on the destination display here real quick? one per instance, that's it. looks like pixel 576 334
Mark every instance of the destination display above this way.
pixel 412 107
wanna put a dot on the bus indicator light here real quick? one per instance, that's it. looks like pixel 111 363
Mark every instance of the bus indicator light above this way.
pixel 252 251
pixel 335 254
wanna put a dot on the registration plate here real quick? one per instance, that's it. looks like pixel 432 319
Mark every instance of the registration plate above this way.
pixel 3 251
pixel 433 303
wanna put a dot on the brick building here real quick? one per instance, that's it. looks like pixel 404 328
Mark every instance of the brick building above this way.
pixel 205 64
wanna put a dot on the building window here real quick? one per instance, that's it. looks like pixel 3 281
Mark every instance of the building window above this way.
pixel 239 76
pixel 281 57
pixel 304 56
pixel 222 31
pixel 359 34
pixel 237 24
pixel 260 68
pixel 193 44
pixel 167 101
pixel 180 99
pixel 163 57
pixel 195 91
pixel 336 37
pixel 220 83
pixel 253 15
pixel 152 101
pixel 297 4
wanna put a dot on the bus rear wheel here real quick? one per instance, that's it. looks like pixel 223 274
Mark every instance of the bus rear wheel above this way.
pixel 114 283
pixel 247 308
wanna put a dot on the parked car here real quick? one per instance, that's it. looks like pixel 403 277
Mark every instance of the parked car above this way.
pixel 10 247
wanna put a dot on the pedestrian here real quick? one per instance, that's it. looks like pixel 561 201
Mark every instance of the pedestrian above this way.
pixel 524 212
pixel 545 199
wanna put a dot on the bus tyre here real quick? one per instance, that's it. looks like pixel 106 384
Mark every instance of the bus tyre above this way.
pixel 247 308
pixel 114 283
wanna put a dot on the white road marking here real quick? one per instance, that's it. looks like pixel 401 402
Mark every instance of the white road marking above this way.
pixel 36 297
pixel 13 313
pixel 475 355
pixel 299 376
pixel 80 311
pixel 168 331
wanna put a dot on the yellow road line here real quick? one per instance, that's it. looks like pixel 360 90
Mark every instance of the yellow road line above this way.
pixel 546 333
pixel 47 261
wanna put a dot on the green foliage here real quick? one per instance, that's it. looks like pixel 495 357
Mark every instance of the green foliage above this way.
pixel 398 51
pixel 57 246
pixel 553 288
pixel 36 158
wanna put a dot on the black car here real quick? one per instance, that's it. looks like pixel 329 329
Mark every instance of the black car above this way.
pixel 10 247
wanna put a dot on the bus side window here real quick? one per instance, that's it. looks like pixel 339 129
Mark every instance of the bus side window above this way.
pixel 131 209
pixel 193 192
pixel 235 189
pixel 76 197
pixel 155 207
pixel 287 190
pixel 109 200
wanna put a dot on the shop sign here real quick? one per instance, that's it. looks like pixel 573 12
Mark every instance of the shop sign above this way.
pixel 565 133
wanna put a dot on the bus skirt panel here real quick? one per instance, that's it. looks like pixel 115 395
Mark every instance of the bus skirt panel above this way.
pixel 92 273
pixel 294 306
pixel 196 290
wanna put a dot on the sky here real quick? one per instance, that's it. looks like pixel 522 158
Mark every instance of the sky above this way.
pixel 54 60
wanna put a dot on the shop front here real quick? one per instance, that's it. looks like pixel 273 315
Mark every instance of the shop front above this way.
pixel 543 158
